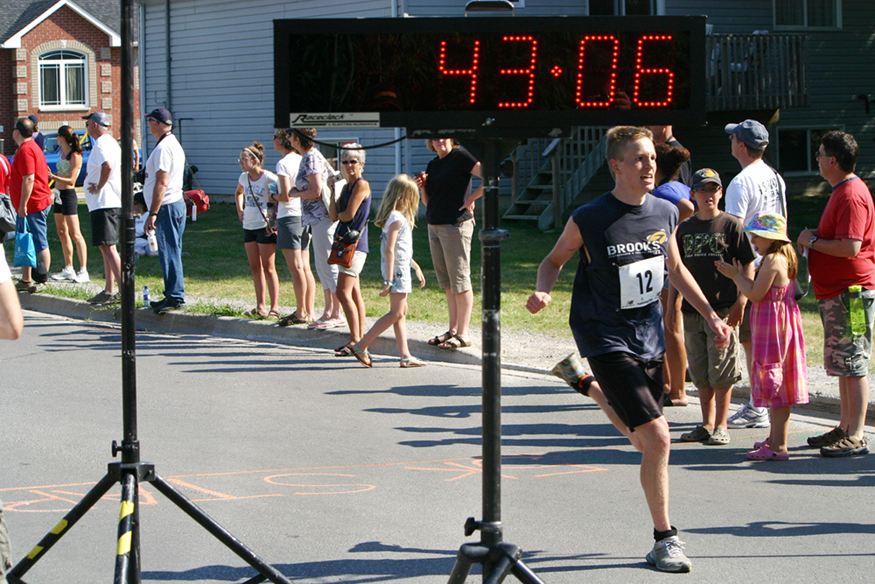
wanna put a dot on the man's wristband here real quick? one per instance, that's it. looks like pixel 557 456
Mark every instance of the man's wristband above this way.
pixel 153 213
pixel 388 283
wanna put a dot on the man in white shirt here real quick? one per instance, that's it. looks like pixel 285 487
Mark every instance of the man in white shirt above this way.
pixel 164 199
pixel 757 188
pixel 103 188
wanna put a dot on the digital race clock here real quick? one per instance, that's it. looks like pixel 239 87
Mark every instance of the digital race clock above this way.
pixel 501 73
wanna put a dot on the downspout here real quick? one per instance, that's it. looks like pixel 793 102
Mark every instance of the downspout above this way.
pixel 397 132
pixel 168 103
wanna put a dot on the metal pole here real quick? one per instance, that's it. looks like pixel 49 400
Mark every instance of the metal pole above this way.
pixel 130 448
pixel 491 238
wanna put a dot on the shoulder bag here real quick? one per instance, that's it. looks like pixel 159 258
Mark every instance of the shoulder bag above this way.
pixel 270 216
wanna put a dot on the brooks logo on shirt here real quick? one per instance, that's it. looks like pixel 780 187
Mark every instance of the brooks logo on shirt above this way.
pixel 653 244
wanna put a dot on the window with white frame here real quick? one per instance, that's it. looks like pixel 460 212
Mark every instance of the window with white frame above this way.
pixel 63 79
pixel 622 7
pixel 808 14
pixel 796 148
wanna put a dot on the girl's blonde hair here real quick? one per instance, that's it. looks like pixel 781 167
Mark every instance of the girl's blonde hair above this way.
pixel 402 195
pixel 785 249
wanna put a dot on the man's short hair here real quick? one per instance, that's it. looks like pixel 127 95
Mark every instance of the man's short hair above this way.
pixel 24 127
pixel 620 136
pixel 843 147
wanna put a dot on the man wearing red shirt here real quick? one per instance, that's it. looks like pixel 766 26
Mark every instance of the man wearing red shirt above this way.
pixel 30 194
pixel 841 261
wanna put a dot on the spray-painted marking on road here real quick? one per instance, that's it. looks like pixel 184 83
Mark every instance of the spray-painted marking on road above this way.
pixel 314 481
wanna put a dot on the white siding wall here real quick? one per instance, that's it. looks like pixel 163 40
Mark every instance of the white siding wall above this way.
pixel 222 79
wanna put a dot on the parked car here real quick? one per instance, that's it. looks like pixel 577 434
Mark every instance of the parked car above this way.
pixel 53 151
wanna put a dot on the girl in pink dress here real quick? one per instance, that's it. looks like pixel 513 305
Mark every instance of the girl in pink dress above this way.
pixel 779 378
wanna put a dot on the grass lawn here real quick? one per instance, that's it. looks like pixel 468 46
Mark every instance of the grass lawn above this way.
pixel 218 281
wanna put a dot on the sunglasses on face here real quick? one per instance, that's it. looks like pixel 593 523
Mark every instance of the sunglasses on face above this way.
pixel 350 162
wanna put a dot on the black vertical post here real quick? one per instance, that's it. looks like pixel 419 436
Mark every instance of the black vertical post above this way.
pixel 491 238
pixel 128 567
pixel 130 448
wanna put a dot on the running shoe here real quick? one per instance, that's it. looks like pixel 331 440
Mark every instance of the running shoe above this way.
pixel 68 274
pixel 748 417
pixel 668 555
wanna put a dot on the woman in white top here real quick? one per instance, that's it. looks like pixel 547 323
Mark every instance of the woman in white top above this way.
pixel 313 175
pixel 293 238
pixel 254 188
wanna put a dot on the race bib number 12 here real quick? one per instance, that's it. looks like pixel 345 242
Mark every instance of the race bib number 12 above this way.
pixel 641 282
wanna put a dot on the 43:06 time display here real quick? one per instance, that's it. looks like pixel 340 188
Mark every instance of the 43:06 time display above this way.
pixel 595 71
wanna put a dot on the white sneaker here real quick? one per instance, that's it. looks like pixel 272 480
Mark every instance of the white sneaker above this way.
pixel 82 276
pixel 68 274
pixel 748 417
pixel 668 555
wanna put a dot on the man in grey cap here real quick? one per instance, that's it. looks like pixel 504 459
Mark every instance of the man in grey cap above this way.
pixel 757 188
pixel 163 193
pixel 103 193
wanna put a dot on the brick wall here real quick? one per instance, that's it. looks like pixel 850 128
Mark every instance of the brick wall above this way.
pixel 19 76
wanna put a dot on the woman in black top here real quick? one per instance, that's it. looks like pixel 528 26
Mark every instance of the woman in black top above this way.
pixel 446 192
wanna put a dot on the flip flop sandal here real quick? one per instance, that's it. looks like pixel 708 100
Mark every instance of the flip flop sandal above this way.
pixel 766 453
pixel 454 342
pixel 440 339
pixel 273 315
pixel 344 351
pixel 361 355
pixel 315 324
pixel 412 362
pixel 330 324
pixel 253 313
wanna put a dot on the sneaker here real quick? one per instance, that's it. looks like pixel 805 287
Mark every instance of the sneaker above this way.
pixel 22 286
pixel 847 446
pixel 747 417
pixel 571 371
pixel 82 276
pixel 719 437
pixel 668 555
pixel 166 306
pixel 827 439
pixel 67 274
pixel 699 434
pixel 103 297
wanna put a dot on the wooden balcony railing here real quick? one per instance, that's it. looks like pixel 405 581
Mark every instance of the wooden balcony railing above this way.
pixel 756 71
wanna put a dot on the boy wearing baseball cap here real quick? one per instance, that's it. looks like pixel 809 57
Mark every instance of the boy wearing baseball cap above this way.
pixel 704 238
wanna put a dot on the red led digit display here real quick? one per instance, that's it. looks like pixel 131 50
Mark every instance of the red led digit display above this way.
pixel 529 72
pixel 519 72
pixel 471 71
pixel 586 70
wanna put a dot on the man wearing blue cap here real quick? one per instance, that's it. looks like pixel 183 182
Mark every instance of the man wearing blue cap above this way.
pixel 757 188
pixel 163 193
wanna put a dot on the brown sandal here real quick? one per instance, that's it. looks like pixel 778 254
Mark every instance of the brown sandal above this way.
pixel 440 339
pixel 454 342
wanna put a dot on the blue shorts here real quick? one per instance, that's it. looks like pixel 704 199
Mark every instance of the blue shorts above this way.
pixel 36 222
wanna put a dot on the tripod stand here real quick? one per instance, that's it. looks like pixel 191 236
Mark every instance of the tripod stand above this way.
pixel 498 558
pixel 131 471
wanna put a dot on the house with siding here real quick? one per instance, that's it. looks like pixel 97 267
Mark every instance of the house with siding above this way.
pixel 801 66
pixel 59 60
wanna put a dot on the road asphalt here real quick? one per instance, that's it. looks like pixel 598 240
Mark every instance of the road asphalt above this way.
pixel 336 473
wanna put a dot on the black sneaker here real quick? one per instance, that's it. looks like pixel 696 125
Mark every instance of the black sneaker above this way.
pixel 167 306
pixel 99 298
pixel 22 286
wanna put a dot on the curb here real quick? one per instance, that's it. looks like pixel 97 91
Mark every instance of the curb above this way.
pixel 250 330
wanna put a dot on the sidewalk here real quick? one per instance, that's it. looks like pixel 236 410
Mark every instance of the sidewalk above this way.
pixel 521 350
